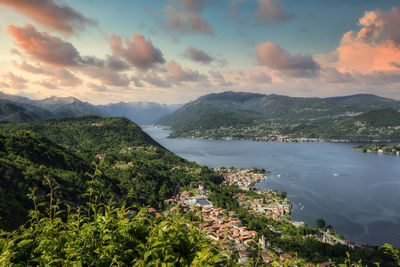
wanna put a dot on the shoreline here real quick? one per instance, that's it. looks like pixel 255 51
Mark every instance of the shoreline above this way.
pixel 299 140
pixel 328 235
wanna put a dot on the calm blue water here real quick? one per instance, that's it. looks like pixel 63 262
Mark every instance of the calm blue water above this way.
pixel 357 193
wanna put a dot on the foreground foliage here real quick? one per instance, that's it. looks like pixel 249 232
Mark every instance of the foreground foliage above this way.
pixel 104 235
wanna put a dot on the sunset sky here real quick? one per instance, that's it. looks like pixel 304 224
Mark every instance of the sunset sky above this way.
pixel 174 51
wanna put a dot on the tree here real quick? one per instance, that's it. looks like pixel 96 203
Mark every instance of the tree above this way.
pixel 320 223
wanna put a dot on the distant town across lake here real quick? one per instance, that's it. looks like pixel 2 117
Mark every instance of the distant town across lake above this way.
pixel 357 193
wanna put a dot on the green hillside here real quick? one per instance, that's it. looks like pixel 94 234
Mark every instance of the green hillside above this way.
pixel 381 124
pixel 261 107
pixel 19 112
pixel 282 118
pixel 25 160
pixel 367 100
pixel 133 163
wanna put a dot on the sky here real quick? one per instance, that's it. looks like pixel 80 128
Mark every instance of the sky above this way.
pixel 174 51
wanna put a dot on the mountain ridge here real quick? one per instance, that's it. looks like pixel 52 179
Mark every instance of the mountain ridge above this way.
pixel 273 116
pixel 140 112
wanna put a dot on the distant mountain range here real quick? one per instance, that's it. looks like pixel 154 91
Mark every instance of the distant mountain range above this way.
pixel 139 112
pixel 282 118
pixel 22 109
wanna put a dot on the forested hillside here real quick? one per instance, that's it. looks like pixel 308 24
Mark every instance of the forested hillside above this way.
pixel 130 162
pixel 281 118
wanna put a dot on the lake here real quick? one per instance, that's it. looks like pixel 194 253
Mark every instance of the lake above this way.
pixel 357 193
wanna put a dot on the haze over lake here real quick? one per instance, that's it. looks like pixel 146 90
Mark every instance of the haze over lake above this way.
pixel 357 193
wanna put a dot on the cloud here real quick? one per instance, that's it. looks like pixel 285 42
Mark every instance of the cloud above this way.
pixel 332 75
pixel 32 69
pixel 189 18
pixel 15 81
pixel 198 55
pixel 272 11
pixel 4 85
pixel 260 78
pixel 275 57
pixel 374 47
pixel 63 77
pixel 47 85
pixel 44 47
pixel 57 53
pixel 219 79
pixel 395 64
pixel 114 63
pixel 153 79
pixel 107 77
pixel 177 74
pixel 139 52
pixel 97 88
pixel 61 18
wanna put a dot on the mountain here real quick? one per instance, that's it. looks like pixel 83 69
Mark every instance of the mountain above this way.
pixel 52 107
pixel 262 107
pixel 139 112
pixel 59 107
pixel 278 118
pixel 18 112
pixel 15 98
pixel 367 100
pixel 68 107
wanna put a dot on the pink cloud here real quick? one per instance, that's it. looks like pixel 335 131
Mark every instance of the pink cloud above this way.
pixel 97 88
pixel 139 52
pixel 177 74
pixel 375 47
pixel 44 47
pixel 15 81
pixel 275 57
pixel 333 76
pixel 62 18
pixel 32 69
pixel 63 77
pixel 154 79
pixel 47 85
pixel 4 85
